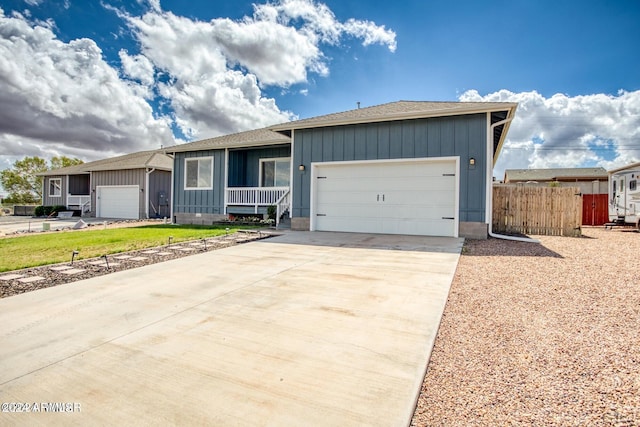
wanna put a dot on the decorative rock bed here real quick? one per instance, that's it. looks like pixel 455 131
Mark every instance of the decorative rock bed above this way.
pixel 31 279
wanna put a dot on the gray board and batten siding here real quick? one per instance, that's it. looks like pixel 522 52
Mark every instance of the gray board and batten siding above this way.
pixel 244 164
pixel 464 136
pixel 244 171
pixel 159 180
pixel 205 201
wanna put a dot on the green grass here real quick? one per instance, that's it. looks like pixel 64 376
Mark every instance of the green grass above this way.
pixel 51 248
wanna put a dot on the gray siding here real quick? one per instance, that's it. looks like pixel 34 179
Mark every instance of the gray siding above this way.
pixel 79 185
pixel 199 201
pixel 244 165
pixel 120 177
pixel 463 136
pixel 53 201
pixel 159 182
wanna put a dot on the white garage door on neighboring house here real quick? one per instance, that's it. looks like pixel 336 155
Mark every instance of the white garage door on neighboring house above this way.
pixel 413 196
pixel 118 201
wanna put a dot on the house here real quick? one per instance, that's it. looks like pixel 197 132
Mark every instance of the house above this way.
pixel 133 186
pixel 407 167
pixel 589 180
pixel 592 182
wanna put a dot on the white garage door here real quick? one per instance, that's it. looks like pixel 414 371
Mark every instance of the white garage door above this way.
pixel 118 202
pixel 417 197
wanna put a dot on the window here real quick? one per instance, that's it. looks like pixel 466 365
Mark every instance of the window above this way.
pixel 55 187
pixel 632 185
pixel 198 173
pixel 275 172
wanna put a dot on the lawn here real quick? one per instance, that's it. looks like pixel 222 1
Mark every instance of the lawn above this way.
pixel 51 248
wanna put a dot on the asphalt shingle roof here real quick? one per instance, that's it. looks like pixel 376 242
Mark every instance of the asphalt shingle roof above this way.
pixel 142 159
pixel 396 111
pixel 242 139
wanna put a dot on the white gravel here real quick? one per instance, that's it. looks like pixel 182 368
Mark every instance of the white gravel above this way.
pixel 543 334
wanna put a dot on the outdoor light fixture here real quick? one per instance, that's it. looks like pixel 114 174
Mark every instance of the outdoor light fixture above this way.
pixel 73 256
pixel 472 161
pixel 170 240
pixel 301 168
pixel 106 260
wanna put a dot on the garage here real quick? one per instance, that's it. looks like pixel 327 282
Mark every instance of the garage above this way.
pixel 121 201
pixel 409 196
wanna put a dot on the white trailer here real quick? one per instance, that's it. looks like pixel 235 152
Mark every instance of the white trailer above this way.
pixel 624 196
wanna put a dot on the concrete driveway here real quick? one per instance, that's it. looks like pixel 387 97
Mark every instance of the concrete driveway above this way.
pixel 301 329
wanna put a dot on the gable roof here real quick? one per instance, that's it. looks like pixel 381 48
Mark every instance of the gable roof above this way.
pixel 140 160
pixel 559 174
pixel 400 110
pixel 250 138
pixel 408 110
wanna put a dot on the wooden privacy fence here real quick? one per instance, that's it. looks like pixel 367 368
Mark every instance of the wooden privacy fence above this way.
pixel 549 211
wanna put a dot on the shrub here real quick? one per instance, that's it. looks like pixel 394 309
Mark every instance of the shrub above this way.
pixel 49 210
pixel 271 212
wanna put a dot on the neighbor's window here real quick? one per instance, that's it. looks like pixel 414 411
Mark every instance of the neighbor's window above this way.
pixel 198 173
pixel 275 172
pixel 55 187
pixel 632 185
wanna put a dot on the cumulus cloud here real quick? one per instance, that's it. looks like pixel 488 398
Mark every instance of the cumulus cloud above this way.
pixel 216 84
pixel 565 131
pixel 64 98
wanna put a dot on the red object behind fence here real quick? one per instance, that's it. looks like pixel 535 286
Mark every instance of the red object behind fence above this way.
pixel 595 209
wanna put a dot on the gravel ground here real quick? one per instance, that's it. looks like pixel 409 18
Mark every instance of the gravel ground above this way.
pixel 53 276
pixel 543 334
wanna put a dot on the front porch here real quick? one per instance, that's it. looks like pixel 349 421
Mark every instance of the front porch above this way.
pixel 80 203
pixel 257 199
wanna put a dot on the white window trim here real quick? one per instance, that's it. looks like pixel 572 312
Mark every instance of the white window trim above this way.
pixel 59 187
pixel 273 159
pixel 188 159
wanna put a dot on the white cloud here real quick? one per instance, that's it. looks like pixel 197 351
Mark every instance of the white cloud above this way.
pixel 564 131
pixel 63 98
pixel 217 69
pixel 137 67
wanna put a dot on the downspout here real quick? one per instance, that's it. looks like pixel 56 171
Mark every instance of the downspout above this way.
pixel 490 184
pixel 146 191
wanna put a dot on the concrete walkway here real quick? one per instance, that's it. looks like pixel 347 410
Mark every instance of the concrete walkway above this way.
pixel 301 329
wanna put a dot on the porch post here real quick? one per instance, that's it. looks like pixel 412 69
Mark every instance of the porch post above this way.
pixel 291 173
pixel 226 178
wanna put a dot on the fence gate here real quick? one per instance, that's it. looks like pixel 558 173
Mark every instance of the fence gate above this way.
pixel 549 211
pixel 595 209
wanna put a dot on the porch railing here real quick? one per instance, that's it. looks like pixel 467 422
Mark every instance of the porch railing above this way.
pixel 282 206
pixel 255 196
pixel 83 203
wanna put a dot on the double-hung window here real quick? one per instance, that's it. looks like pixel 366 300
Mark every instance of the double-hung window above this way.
pixel 198 173
pixel 55 187
pixel 275 172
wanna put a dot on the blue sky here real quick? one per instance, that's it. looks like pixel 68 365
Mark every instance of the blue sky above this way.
pixel 93 79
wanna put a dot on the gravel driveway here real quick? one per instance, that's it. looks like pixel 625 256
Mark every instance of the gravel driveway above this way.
pixel 539 335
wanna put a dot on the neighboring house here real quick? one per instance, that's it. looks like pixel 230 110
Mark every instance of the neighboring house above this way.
pixel 133 186
pixel 592 182
pixel 422 168
pixel 589 180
